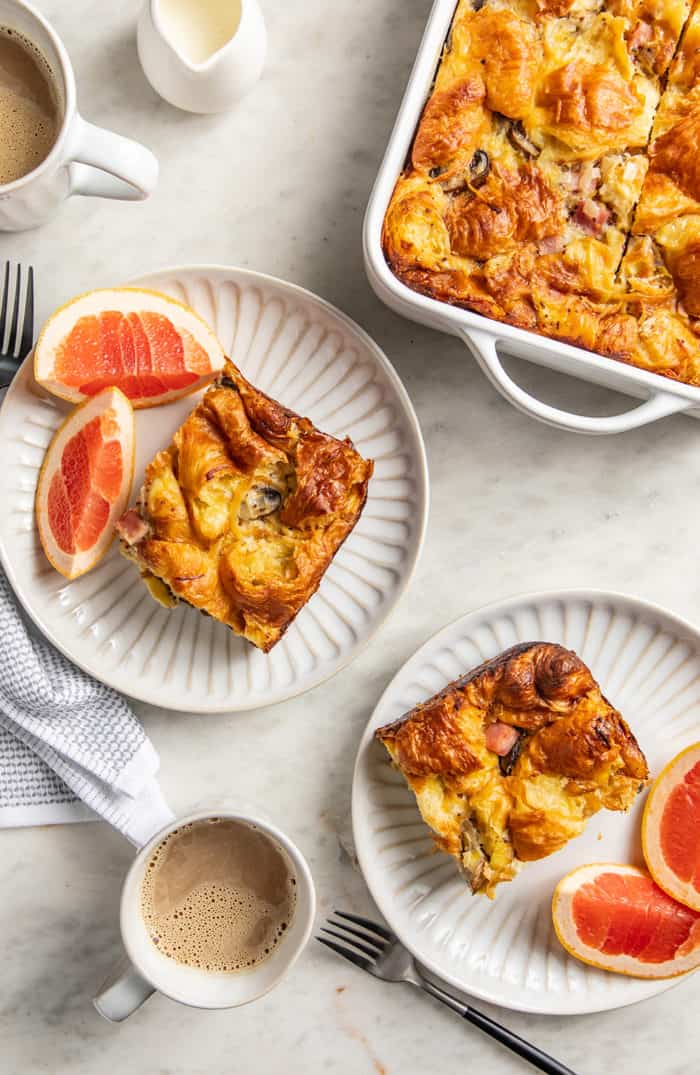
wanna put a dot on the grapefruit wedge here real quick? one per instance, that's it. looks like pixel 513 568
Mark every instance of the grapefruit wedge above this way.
pixel 616 918
pixel 148 345
pixel 671 828
pixel 85 482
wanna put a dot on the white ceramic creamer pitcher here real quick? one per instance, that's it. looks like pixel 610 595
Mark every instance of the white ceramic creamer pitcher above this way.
pixel 202 55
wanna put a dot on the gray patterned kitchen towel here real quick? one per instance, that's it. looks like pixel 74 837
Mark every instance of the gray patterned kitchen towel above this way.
pixel 70 748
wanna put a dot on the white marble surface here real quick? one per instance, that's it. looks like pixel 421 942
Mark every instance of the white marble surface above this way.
pixel 280 185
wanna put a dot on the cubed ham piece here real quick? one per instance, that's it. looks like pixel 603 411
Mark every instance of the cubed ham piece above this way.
pixel 581 178
pixel 641 35
pixel 570 178
pixel 501 738
pixel 589 178
pixel 552 244
pixel 131 527
pixel 591 216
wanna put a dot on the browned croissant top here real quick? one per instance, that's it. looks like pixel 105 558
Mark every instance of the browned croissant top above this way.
pixel 554 182
pixel 242 514
pixel 509 761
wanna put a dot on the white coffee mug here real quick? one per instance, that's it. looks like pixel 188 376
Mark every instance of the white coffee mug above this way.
pixel 84 159
pixel 146 969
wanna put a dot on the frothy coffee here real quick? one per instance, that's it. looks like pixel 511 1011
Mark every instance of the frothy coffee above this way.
pixel 218 894
pixel 30 115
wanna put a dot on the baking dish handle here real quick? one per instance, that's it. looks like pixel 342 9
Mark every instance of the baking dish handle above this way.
pixel 659 405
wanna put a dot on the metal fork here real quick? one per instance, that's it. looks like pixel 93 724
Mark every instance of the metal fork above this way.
pixel 376 950
pixel 16 341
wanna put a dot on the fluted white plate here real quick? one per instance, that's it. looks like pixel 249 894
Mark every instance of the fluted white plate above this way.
pixel 505 950
pixel 315 360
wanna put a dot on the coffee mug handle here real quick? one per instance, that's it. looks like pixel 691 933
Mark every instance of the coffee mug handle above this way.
pixel 104 164
pixel 123 992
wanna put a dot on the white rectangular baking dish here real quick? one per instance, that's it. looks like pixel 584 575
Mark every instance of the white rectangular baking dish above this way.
pixel 485 338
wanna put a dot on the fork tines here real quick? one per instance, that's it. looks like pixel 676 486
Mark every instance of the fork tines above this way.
pixel 361 946
pixel 17 336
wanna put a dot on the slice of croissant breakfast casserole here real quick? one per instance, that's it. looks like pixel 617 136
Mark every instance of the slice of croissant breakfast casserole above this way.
pixel 508 762
pixel 243 513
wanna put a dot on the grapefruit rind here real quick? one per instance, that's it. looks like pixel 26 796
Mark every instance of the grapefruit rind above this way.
pixel 666 782
pixel 569 938
pixel 72 567
pixel 124 300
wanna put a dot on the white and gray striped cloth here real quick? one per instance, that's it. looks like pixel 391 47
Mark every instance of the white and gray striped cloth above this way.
pixel 70 748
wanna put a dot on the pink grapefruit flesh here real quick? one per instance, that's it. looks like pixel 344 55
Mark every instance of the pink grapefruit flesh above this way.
pixel 85 482
pixel 615 917
pixel 671 828
pixel 151 347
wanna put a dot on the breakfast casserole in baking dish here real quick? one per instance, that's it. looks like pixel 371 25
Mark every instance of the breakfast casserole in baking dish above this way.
pixel 243 513
pixel 508 762
pixel 554 179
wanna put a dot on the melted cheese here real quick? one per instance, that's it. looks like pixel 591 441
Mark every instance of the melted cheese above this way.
pixel 563 101
pixel 622 177
pixel 159 591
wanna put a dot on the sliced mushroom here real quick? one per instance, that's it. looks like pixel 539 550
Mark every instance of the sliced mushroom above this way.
pixel 436 171
pixel 472 859
pixel 519 139
pixel 507 762
pixel 226 382
pixel 216 470
pixel 261 500
pixel 479 168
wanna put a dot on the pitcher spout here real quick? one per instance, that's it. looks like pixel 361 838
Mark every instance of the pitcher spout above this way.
pixel 199 32
pixel 202 55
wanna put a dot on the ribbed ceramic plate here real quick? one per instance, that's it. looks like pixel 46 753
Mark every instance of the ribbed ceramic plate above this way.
pixel 314 359
pixel 505 950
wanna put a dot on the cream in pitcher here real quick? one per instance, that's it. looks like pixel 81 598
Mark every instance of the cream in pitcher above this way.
pixel 199 28
pixel 202 55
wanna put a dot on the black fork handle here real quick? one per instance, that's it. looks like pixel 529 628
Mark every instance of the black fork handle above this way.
pixel 499 1033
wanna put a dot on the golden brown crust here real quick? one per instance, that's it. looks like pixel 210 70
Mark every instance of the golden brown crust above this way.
pixel 243 513
pixel 432 742
pixel 589 99
pixel 512 209
pixel 554 133
pixel 505 45
pixel 452 123
pixel 574 754
pixel 673 179
pixel 675 155
pixel 685 269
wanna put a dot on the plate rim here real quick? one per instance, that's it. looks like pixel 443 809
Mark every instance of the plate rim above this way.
pixel 492 609
pixel 146 695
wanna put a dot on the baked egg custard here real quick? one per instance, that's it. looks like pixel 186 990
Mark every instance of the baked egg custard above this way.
pixel 242 514
pixel 553 182
pixel 508 762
